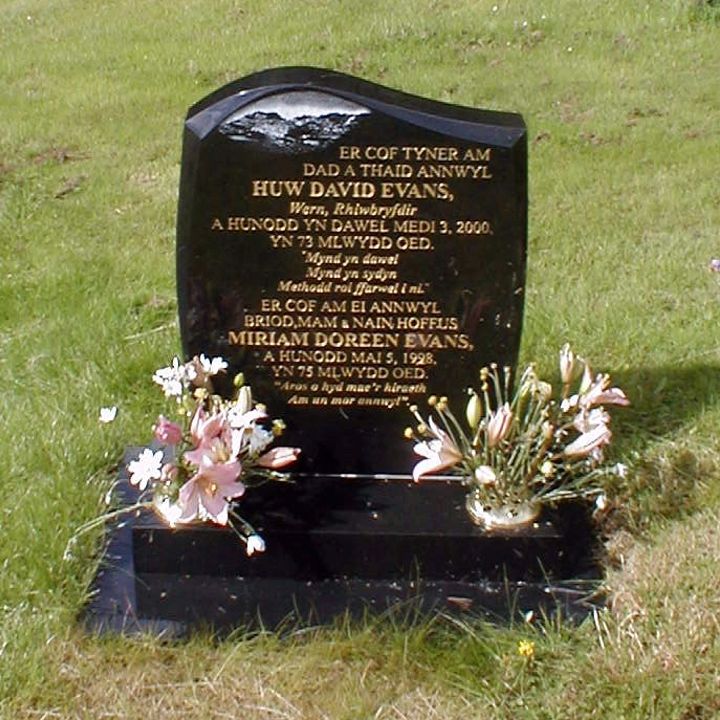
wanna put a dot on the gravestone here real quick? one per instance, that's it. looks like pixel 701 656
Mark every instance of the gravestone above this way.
pixel 352 250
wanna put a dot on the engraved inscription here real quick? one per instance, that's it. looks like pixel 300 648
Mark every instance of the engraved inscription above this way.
pixel 355 329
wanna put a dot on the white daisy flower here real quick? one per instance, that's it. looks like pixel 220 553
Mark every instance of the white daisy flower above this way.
pixel 172 379
pixel 108 414
pixel 147 467
pixel 212 366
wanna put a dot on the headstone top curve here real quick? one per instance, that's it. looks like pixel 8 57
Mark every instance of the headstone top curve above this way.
pixel 298 77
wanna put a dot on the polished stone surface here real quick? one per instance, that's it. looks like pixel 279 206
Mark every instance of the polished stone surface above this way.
pixel 352 249
pixel 384 548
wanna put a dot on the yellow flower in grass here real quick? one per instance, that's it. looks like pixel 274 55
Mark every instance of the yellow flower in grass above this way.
pixel 526 649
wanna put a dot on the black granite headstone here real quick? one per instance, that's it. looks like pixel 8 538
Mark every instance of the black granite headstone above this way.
pixel 352 249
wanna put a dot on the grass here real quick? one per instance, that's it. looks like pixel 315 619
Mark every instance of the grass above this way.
pixel 622 114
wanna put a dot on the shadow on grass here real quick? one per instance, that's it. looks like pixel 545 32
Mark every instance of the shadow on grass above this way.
pixel 665 399
pixel 666 481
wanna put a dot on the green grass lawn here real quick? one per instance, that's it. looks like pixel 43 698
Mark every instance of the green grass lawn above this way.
pixel 622 103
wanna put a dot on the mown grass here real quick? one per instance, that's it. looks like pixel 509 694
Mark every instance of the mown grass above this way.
pixel 622 107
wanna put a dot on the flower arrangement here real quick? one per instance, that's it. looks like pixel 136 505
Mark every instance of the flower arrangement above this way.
pixel 522 449
pixel 217 449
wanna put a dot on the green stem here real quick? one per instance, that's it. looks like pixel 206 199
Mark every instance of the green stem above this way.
pixel 535 464
pixel 248 529
pixel 101 520
pixel 458 433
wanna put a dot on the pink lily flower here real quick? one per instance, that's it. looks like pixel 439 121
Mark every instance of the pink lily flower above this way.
pixel 279 457
pixel 599 392
pixel 167 432
pixel 206 428
pixel 209 491
pixel 586 420
pixel 611 396
pixel 499 425
pixel 440 453
pixel 588 442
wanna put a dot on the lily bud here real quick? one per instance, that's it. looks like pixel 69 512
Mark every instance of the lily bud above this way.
pixel 244 400
pixel 279 457
pixel 485 475
pixel 587 380
pixel 167 432
pixel 543 390
pixel 473 411
pixel 567 364
pixel 499 425
pixel 255 544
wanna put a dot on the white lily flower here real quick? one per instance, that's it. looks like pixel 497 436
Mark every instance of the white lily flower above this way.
pixel 259 439
pixel 244 401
